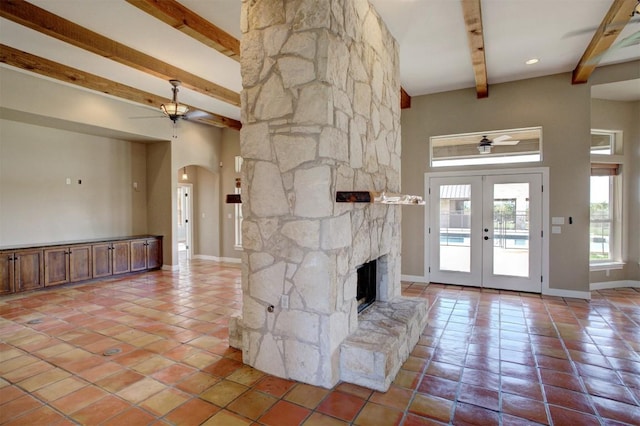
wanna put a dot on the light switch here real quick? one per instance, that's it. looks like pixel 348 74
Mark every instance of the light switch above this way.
pixel 557 220
pixel 556 229
pixel 68 181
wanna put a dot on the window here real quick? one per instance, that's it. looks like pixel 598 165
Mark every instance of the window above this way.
pixel 605 229
pixel 494 147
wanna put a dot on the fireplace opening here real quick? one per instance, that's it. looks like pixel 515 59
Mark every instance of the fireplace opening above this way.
pixel 367 284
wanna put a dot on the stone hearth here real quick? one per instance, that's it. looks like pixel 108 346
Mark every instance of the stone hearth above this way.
pixel 321 114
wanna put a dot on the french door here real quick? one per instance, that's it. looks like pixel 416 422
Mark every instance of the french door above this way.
pixel 486 231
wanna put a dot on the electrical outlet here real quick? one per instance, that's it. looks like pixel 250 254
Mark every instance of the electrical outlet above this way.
pixel 284 301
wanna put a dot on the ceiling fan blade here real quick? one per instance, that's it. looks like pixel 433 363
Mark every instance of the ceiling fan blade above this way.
pixel 505 142
pixel 611 26
pixel 195 115
pixel 631 40
pixel 501 138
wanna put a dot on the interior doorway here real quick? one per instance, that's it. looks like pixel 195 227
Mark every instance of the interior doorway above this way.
pixel 185 221
pixel 486 230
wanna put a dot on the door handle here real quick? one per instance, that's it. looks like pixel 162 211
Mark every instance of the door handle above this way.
pixel 486 238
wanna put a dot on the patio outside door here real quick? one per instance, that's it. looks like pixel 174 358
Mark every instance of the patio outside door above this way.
pixel 485 231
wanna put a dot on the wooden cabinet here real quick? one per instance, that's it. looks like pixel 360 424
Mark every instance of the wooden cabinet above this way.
pixel 45 266
pixel 110 259
pixel 146 254
pixel 21 270
pixel 67 264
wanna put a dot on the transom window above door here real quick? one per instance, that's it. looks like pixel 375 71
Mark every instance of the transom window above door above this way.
pixel 490 147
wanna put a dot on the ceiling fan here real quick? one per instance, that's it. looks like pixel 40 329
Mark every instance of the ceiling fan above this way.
pixel 485 145
pixel 175 110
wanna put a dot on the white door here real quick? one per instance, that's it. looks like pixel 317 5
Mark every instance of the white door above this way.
pixel 486 231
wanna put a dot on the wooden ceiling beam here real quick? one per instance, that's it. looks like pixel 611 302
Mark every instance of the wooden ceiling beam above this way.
pixel 185 20
pixel 473 24
pixel 190 23
pixel 26 61
pixel 38 19
pixel 610 28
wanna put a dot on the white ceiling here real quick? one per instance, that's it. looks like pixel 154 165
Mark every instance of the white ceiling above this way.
pixel 434 54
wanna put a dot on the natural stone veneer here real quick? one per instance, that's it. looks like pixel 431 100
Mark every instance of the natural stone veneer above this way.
pixel 320 113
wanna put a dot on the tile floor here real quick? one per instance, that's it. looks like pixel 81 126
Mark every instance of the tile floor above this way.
pixel 152 349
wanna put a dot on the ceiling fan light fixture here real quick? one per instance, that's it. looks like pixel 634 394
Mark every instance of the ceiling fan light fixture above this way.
pixel 484 147
pixel 174 109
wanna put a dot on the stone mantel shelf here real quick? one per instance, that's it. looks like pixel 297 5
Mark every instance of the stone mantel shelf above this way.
pixel 378 198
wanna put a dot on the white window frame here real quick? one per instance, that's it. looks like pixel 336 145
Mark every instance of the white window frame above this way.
pixel 615 242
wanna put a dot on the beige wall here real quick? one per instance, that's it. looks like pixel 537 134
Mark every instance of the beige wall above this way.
pixel 206 215
pixel 551 102
pixel 36 204
pixel 625 117
pixel 230 148
pixel 91 138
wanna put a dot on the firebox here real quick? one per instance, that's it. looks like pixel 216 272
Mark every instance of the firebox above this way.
pixel 367 285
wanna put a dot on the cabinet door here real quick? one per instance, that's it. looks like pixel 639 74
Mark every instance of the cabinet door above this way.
pixel 56 266
pixel 138 255
pixel 6 272
pixel 28 269
pixel 154 253
pixel 79 263
pixel 101 260
pixel 120 257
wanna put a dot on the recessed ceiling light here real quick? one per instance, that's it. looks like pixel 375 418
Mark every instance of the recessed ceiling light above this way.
pixel 532 61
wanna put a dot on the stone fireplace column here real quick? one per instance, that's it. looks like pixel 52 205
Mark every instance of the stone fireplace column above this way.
pixel 320 113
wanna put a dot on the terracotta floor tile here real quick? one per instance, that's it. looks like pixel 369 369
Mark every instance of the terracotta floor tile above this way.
pixel 444 370
pixel 152 365
pixel 252 404
pixel 374 414
pixel 432 407
pixel 284 413
pixel 563 380
pixel 319 419
pixel 472 414
pixel 120 380
pixel 132 417
pixel 197 383
pixel 41 416
pixel 9 393
pixel 27 371
pixel 60 389
pixel 524 407
pixel 18 407
pixel 192 413
pixel 41 380
pixel 274 386
pixel 78 399
pixel 201 359
pixel 565 416
pixel 609 390
pixel 395 397
pixel 141 390
pixel 223 367
pixel 415 420
pixel 223 393
pixel 522 387
pixel 164 401
pixel 436 386
pixel 479 396
pixel 306 395
pixel 359 391
pixel 341 405
pixel 617 410
pixel 407 379
pixel 227 418
pixel 100 410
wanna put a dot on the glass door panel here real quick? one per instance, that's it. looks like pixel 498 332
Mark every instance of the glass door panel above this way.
pixel 511 229
pixel 455 225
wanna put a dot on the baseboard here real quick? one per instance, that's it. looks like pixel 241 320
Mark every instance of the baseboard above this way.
pixel 573 294
pixel 414 279
pixel 614 284
pixel 218 259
